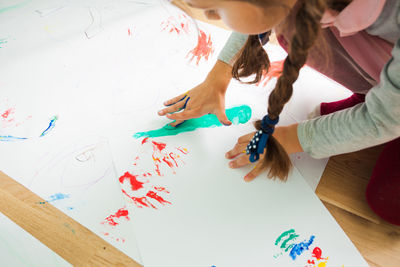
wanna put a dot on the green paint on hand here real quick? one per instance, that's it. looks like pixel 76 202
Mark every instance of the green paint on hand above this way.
pixel 237 115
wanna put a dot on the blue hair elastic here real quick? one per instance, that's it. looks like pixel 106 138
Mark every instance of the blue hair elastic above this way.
pixel 259 141
pixel 264 37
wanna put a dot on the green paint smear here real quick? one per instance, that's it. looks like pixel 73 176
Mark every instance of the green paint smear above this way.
pixel 8 8
pixel 237 115
pixel 291 237
pixel 291 231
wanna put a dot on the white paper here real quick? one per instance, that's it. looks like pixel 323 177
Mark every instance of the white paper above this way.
pixel 103 69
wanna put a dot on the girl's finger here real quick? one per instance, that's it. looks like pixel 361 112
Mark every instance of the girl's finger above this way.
pixel 177 123
pixel 246 138
pixel 173 108
pixel 184 115
pixel 175 100
pixel 239 148
pixel 256 171
pixel 239 162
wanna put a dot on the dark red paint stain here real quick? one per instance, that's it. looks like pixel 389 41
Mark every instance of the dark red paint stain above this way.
pixel 135 184
pixel 154 195
pixel 203 49
pixel 121 213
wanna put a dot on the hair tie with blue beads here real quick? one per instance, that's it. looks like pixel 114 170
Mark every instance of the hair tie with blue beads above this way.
pixel 259 141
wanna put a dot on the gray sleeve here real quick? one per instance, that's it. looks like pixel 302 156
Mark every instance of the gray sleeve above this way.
pixel 235 42
pixel 367 124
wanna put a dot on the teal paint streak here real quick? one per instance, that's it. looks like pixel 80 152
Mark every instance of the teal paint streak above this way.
pixel 9 8
pixel 291 231
pixel 291 237
pixel 237 115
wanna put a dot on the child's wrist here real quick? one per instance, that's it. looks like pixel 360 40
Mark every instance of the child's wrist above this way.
pixel 287 137
pixel 220 76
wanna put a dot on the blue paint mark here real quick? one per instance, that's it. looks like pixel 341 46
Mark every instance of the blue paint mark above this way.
pixel 299 248
pixel 9 138
pixel 58 196
pixel 70 208
pixel 52 124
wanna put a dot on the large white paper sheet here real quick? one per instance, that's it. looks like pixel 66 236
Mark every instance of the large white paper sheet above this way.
pixel 79 78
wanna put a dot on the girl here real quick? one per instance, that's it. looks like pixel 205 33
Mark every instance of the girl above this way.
pixel 353 42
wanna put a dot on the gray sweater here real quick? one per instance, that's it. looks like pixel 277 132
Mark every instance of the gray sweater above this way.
pixel 367 124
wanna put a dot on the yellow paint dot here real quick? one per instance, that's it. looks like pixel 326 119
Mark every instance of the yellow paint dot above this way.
pixel 322 264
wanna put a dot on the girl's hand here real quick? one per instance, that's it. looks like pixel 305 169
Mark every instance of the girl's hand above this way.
pixel 286 136
pixel 207 97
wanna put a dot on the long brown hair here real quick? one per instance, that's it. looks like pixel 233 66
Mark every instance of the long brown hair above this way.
pixel 252 59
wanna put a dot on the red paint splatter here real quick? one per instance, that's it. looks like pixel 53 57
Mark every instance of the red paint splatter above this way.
pixel 274 71
pixel 123 212
pixel 317 253
pixel 153 195
pixel 203 49
pixel 7 113
pixel 144 141
pixel 159 146
pixel 176 25
pixel 161 189
pixel 183 150
pixel 311 262
pixel 129 31
pixel 140 201
pixel 171 155
pixel 135 184
pixel 115 238
pixel 169 163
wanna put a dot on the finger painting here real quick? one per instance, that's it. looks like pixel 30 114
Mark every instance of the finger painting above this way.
pixel 141 184
pixel 203 50
pixel 237 115
pixel 86 138
pixel 179 24
pixel 290 244
pixel 12 121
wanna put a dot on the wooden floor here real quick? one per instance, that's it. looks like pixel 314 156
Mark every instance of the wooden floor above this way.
pixel 342 190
